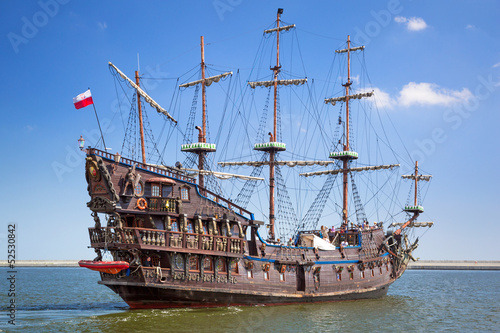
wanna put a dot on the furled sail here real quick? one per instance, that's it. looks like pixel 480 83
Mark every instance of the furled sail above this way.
pixel 413 224
pixel 351 49
pixel 141 92
pixel 286 27
pixel 222 175
pixel 334 100
pixel 208 80
pixel 284 163
pixel 280 82
pixel 357 169
pixel 419 177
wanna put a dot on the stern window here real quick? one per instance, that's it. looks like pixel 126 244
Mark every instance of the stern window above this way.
pixel 184 193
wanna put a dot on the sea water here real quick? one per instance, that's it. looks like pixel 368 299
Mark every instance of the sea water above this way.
pixel 70 300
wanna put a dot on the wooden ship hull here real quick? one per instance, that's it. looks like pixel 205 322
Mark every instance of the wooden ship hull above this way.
pixel 188 247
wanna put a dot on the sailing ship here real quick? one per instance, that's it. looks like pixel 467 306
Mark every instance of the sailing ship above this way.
pixel 182 244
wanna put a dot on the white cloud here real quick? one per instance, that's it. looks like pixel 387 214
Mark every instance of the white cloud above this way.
pixel 470 27
pixel 429 94
pixel 496 65
pixel 383 99
pixel 102 25
pixel 412 23
pixel 421 94
pixel 400 19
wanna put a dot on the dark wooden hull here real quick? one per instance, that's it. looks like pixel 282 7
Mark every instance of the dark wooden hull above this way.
pixel 141 296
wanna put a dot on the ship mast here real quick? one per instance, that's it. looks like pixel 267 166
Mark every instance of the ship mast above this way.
pixel 201 148
pixel 147 98
pixel 139 108
pixel 202 134
pixel 346 146
pixel 273 137
pixel 346 155
pixel 416 209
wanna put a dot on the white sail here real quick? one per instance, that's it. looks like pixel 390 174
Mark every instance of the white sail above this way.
pixel 141 92
pixel 283 163
pixel 280 82
pixel 208 80
pixel 358 169
pixel 334 100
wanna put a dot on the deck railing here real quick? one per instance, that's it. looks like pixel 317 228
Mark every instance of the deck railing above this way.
pixel 164 239
pixel 162 205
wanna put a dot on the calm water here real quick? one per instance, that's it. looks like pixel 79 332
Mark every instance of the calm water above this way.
pixel 69 300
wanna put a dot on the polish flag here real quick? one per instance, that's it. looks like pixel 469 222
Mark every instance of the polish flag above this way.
pixel 83 100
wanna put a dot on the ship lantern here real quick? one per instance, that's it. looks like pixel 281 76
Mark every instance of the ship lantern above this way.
pixel 81 141
pixel 117 157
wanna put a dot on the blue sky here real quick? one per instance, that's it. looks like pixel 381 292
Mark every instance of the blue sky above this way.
pixel 435 66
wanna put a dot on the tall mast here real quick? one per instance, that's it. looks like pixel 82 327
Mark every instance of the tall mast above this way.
pixel 346 146
pixel 143 149
pixel 201 148
pixel 202 134
pixel 346 155
pixel 273 145
pixel 273 138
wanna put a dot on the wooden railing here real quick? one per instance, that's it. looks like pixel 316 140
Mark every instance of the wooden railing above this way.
pixel 165 239
pixel 162 205
pixel 124 160
pixel 215 197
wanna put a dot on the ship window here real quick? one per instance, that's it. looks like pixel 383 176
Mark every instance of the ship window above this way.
pixel 380 270
pixel 166 191
pixel 155 190
pixel 193 263
pixel 234 267
pixel 339 276
pixel 351 275
pixel 205 230
pixel 387 267
pixel 155 261
pixel 221 266
pixel 184 193
pixel 190 227
pixel 175 226
pixel 208 264
pixel 139 189
pixel 362 274
pixel 266 275
pixel 250 274
pixel 236 230
pixel 282 277
pixel 373 273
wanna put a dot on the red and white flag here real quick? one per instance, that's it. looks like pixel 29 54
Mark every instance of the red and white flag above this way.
pixel 83 100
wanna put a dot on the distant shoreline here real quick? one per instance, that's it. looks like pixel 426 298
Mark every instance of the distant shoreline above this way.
pixel 421 264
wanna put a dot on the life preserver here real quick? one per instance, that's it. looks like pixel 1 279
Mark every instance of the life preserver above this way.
pixel 267 267
pixel 283 269
pixel 142 204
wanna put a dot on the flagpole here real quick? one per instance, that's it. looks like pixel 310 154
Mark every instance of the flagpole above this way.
pixel 98 123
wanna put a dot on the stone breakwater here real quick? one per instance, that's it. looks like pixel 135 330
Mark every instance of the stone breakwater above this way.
pixel 421 264
pixel 455 264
